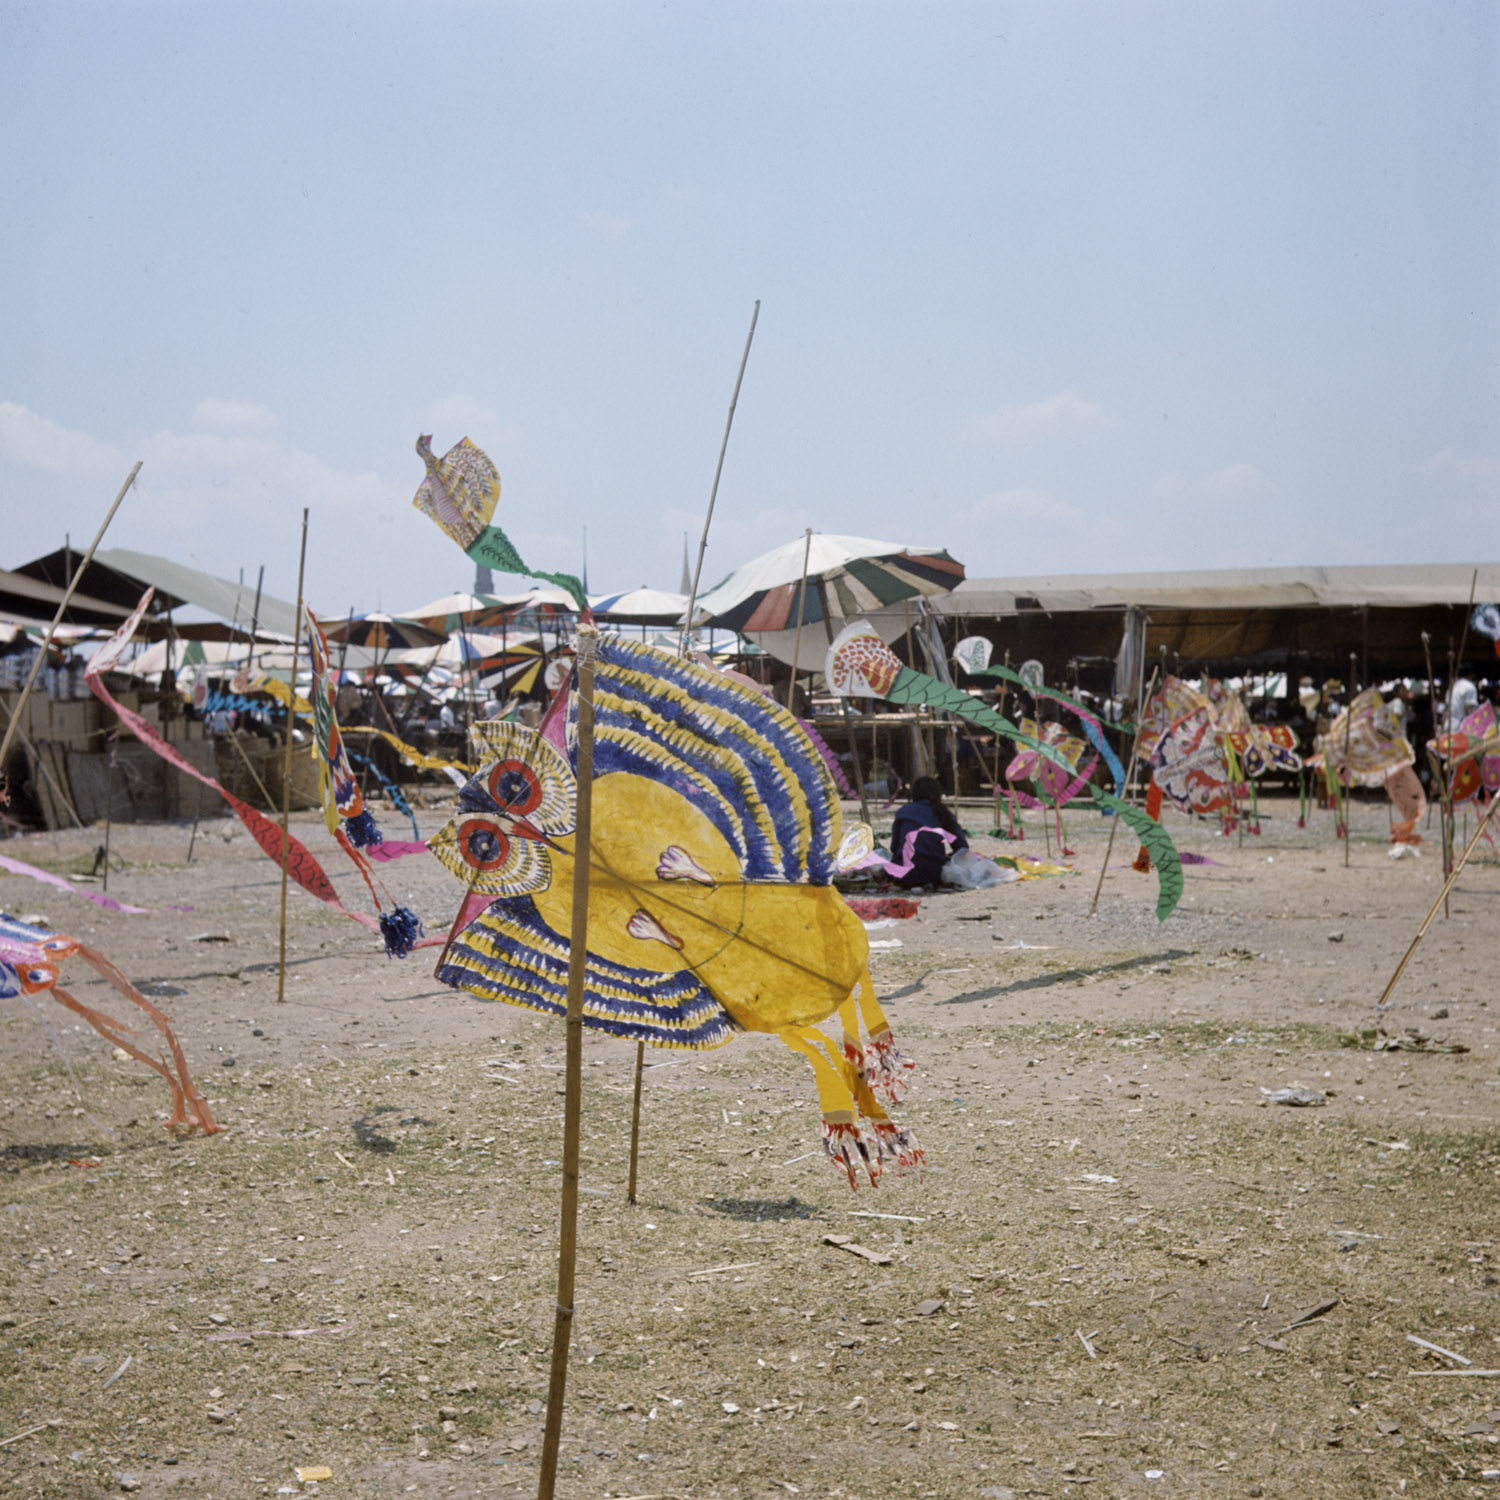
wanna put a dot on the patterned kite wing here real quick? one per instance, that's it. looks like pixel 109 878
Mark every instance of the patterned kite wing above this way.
pixel 1365 745
pixel 1188 765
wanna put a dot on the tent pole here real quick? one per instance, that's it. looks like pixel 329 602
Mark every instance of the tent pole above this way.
pixel 286 763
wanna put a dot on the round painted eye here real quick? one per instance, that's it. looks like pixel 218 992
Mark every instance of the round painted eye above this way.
pixel 37 977
pixel 516 787
pixel 482 845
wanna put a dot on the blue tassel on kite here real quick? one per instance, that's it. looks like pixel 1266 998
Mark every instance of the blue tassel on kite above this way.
pixel 362 831
pixel 400 928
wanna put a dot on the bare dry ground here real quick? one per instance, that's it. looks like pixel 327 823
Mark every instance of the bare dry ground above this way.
pixel 1090 1292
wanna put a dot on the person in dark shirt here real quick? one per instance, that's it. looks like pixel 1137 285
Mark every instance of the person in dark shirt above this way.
pixel 925 834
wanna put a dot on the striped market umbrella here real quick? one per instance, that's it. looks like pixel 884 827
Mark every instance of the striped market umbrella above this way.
pixel 382 632
pixel 847 576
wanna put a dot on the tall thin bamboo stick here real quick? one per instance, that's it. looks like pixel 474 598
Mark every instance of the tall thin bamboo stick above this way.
pixel 1442 897
pixel 41 656
pixel 286 763
pixel 567 1249
pixel 734 401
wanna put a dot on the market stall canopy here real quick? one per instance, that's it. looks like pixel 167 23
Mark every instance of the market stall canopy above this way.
pixel 99 580
pixel 229 601
pixel 382 632
pixel 640 606
pixel 1395 586
pixel 30 599
pixel 457 611
pixel 847 577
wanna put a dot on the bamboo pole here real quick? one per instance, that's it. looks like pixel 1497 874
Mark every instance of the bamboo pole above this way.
pixel 1440 771
pixel 1135 750
pixel 687 619
pixel 635 1121
pixel 41 656
pixel 849 725
pixel 567 1249
pixel 1348 769
pixel 109 808
pixel 791 689
pixel 1442 897
pixel 286 763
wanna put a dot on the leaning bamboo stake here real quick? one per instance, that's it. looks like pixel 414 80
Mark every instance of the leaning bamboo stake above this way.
pixel 713 494
pixel 286 763
pixel 567 1249
pixel 1135 750
pixel 1442 896
pixel 78 572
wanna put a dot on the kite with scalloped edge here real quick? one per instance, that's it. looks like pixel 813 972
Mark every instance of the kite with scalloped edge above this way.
pixel 31 960
pixel 716 835
pixel 860 664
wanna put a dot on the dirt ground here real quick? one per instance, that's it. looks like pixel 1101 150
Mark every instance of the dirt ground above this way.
pixel 1089 1293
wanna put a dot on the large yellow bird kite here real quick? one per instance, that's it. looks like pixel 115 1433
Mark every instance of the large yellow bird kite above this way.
pixel 716 836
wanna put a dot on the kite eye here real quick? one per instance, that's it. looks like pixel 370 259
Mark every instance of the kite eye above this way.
pixel 482 846
pixel 515 787
pixel 36 977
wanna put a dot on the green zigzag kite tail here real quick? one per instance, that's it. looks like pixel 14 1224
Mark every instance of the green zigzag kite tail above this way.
pixel 917 688
pixel 1159 846
pixel 495 550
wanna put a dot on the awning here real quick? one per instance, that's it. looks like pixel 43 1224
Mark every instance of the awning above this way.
pixel 229 601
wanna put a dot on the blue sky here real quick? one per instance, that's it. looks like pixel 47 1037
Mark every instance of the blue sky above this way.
pixel 1061 287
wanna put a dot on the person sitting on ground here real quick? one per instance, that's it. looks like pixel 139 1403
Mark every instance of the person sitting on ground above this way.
pixel 925 835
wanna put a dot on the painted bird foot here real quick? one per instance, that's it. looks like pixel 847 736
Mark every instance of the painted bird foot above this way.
pixel 846 1146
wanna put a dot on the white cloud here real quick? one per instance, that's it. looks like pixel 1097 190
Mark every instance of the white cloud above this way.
pixel 461 416
pixel 1061 415
pixel 1450 466
pixel 220 415
pixel 33 442
pixel 609 226
pixel 1020 504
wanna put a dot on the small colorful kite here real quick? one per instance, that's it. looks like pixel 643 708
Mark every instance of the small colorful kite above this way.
pixel 1186 759
pixel 711 909
pixel 31 960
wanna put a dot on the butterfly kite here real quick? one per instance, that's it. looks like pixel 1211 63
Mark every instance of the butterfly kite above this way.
pixel 1366 745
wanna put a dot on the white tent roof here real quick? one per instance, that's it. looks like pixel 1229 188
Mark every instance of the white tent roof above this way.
pixel 1396 585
